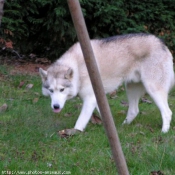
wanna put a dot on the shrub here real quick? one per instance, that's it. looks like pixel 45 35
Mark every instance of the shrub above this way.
pixel 45 27
pixel 39 26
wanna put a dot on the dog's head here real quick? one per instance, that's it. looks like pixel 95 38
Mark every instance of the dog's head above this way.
pixel 57 83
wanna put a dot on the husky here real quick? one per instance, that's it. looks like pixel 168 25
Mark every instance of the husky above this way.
pixel 141 61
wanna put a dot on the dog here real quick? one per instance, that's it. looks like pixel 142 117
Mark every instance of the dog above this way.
pixel 141 61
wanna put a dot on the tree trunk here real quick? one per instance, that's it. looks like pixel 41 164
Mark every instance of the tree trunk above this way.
pixel 1 9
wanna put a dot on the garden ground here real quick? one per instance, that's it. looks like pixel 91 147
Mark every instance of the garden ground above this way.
pixel 29 139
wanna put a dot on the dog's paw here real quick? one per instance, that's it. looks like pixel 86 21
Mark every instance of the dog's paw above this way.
pixel 68 132
pixel 165 128
pixel 125 122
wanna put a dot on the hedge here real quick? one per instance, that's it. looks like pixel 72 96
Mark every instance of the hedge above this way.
pixel 46 29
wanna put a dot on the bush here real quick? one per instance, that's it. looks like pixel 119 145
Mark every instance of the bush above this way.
pixel 45 27
pixel 39 26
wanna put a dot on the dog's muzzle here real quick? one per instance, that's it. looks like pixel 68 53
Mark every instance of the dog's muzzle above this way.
pixel 56 108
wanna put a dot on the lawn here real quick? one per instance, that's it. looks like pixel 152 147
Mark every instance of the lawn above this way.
pixel 29 140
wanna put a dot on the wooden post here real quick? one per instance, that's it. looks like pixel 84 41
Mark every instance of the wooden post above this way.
pixel 1 9
pixel 107 118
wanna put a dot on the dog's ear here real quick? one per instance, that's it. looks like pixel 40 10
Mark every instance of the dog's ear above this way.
pixel 69 74
pixel 43 74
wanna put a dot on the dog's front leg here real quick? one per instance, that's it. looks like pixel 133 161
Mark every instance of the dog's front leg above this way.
pixel 89 104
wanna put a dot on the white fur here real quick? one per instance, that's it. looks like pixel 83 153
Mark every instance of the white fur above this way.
pixel 143 62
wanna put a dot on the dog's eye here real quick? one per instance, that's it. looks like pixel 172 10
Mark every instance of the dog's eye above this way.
pixel 62 89
pixel 51 90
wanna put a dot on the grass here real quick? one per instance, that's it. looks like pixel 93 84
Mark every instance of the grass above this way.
pixel 29 138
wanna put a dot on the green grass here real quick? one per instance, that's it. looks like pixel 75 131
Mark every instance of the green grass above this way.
pixel 29 138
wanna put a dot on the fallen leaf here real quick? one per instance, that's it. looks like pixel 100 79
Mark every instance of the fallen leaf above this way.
pixel 145 100
pixel 139 125
pixel 9 44
pixel 3 107
pixel 124 103
pixel 49 165
pixel 32 55
pixel 42 60
pixel 35 100
pixel 156 173
pixel 35 156
pixel 36 69
pixel 78 106
pixel 29 86
pixel 21 84
pixel 122 112
pixel 151 129
pixel 36 93
pixel 95 119
pixel 113 95
pixel 142 133
pixel 158 140
pixel 122 88
pixel 10 99
pixel 68 132
pixel 143 113
pixel 68 114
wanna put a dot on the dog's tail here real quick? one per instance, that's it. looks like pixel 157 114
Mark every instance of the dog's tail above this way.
pixel 173 81
pixel 172 71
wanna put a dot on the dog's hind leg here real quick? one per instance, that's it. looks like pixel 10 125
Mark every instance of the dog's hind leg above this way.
pixel 160 96
pixel 134 92
pixel 89 104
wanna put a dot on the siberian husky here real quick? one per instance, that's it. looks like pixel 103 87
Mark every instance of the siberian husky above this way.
pixel 142 61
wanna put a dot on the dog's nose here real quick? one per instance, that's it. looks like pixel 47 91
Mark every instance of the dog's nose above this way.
pixel 56 106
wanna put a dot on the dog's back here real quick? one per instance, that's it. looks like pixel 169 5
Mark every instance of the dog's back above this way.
pixel 133 58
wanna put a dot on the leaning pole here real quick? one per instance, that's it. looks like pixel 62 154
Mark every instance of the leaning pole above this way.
pixel 83 37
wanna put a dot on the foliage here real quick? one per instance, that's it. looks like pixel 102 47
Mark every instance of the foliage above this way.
pixel 45 27
pixel 38 26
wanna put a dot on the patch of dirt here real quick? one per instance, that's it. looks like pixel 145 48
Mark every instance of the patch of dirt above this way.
pixel 27 68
